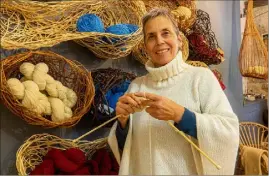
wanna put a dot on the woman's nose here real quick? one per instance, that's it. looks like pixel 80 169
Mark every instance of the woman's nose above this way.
pixel 159 40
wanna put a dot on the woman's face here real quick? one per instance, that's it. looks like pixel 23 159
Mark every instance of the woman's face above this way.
pixel 161 41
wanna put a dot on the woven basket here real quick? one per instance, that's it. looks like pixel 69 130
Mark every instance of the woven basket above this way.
pixel 251 135
pixel 253 56
pixel 197 63
pixel 172 5
pixel 31 152
pixel 31 24
pixel 140 54
pixel 115 12
pixel 69 73
pixel 105 79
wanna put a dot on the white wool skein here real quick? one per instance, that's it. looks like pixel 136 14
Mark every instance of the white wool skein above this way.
pixel 58 90
pixel 71 98
pixel 27 70
pixel 59 111
pixel 44 102
pixel 37 73
pixel 16 88
pixel 28 92
pixel 31 99
pixel 41 70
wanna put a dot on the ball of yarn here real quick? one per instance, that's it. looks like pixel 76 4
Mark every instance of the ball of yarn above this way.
pixel 90 23
pixel 16 88
pixel 27 70
pixel 132 28
pixel 119 29
pixel 41 69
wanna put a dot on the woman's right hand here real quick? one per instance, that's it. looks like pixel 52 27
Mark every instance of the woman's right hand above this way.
pixel 126 105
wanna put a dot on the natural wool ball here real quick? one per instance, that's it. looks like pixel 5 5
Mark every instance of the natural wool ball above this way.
pixel 71 98
pixel 27 70
pixel 182 12
pixel 39 75
pixel 31 97
pixel 16 88
pixel 57 108
pixel 44 102
pixel 51 87
pixel 59 111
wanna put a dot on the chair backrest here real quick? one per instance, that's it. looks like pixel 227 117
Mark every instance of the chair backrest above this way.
pixel 253 135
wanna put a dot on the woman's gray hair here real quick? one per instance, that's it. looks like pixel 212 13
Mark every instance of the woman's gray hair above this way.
pixel 159 12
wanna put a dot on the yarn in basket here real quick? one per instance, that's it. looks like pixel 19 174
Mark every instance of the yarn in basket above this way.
pixel 90 23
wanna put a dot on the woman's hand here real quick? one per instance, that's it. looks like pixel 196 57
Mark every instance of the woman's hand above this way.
pixel 126 105
pixel 161 108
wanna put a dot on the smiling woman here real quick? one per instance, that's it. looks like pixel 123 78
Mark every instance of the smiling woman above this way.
pixel 173 91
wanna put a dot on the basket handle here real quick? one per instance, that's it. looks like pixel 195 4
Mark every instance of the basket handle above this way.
pixel 100 126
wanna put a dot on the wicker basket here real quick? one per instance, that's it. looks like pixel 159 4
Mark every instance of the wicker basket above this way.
pixel 105 79
pixel 140 54
pixel 172 5
pixel 197 63
pixel 69 73
pixel 31 152
pixel 253 56
pixel 31 25
pixel 252 135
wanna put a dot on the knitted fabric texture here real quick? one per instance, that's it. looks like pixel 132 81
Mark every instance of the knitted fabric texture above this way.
pixel 90 23
pixel 217 126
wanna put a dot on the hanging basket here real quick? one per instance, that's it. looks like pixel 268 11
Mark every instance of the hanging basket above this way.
pixel 197 63
pixel 203 44
pixel 140 54
pixel 172 6
pixel 105 80
pixel 251 135
pixel 71 74
pixel 31 25
pixel 253 56
pixel 31 153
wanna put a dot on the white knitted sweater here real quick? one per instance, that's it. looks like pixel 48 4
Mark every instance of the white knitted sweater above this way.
pixel 152 147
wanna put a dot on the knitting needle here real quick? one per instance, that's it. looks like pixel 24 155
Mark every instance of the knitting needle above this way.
pixel 100 126
pixel 195 146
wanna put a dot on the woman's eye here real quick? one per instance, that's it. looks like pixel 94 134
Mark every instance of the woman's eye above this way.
pixel 166 33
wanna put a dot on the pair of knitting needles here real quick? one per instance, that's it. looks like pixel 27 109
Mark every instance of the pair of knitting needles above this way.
pixel 178 131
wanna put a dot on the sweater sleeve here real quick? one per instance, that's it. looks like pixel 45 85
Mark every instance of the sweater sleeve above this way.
pixel 187 123
pixel 121 134
pixel 217 126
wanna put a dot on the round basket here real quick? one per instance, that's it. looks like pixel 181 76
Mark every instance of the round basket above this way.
pixel 251 135
pixel 172 5
pixel 30 154
pixel 116 12
pixel 140 54
pixel 70 73
pixel 105 79
pixel 197 63
pixel 32 25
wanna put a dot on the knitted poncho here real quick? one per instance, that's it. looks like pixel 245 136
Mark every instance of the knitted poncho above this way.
pixel 152 147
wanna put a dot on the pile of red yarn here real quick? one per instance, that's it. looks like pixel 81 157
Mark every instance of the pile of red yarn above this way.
pixel 74 162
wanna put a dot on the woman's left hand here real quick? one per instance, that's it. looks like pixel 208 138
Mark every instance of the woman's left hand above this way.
pixel 161 107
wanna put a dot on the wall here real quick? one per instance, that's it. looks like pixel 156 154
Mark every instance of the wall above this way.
pixel 225 21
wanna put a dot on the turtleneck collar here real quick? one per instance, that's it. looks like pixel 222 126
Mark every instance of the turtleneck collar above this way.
pixel 170 70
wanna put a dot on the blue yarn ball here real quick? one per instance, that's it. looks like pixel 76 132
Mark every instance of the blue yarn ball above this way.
pixel 132 28
pixel 114 99
pixel 90 23
pixel 121 87
pixel 119 29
